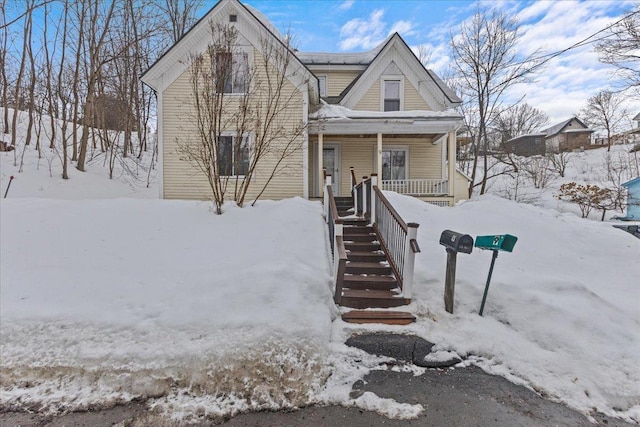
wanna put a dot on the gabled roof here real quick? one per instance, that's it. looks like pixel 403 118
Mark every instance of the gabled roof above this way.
pixel 633 182
pixel 637 117
pixel 429 85
pixel 526 136
pixel 556 129
pixel 175 60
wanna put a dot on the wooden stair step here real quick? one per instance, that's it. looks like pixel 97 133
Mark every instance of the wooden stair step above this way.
pixel 380 283
pixel 356 298
pixel 356 221
pixel 360 238
pixel 366 256
pixel 362 246
pixel 378 316
pixel 367 268
pixel 355 230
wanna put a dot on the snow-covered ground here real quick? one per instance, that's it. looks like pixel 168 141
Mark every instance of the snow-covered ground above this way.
pixel 106 297
pixel 596 167
pixel 563 309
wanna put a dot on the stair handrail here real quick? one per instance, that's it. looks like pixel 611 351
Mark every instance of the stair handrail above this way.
pixel 358 193
pixel 335 224
pixel 354 181
pixel 397 238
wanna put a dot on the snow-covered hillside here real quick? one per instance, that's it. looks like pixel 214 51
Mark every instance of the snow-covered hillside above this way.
pixel 109 297
pixel 606 169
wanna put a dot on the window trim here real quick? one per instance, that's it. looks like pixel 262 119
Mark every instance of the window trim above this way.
pixel 407 159
pixel 391 77
pixel 326 86
pixel 234 135
pixel 249 52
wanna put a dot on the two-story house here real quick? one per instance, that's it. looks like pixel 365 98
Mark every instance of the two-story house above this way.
pixel 376 112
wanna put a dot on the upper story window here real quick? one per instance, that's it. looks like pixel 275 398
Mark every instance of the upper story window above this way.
pixel 322 85
pixel 233 155
pixel 232 70
pixel 391 95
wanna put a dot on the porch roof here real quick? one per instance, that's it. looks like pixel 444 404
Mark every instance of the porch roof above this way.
pixel 334 119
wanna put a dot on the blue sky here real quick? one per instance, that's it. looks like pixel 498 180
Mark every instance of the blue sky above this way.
pixel 358 25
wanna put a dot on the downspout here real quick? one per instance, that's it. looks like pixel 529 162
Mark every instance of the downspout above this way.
pixel 452 163
pixel 160 143
pixel 305 143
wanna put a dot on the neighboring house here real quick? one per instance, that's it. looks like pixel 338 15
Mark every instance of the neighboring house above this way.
pixel 527 145
pixel 569 135
pixel 631 136
pixel 378 112
pixel 633 199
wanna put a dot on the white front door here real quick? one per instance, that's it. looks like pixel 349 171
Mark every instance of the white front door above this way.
pixel 331 163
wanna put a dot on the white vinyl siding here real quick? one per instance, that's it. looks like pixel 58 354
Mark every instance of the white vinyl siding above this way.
pixel 411 99
pixel 183 180
pixel 337 81
pixel 424 158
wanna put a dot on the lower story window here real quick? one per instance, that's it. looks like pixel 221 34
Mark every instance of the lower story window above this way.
pixel 233 155
pixel 394 164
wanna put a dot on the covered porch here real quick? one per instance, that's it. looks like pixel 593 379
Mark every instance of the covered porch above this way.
pixel 412 152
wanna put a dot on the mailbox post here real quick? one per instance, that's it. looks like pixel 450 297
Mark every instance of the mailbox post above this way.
pixel 453 242
pixel 501 242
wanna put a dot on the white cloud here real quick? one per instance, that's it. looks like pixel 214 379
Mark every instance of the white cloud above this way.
pixel 346 5
pixel 364 33
pixel 404 28
pixel 370 32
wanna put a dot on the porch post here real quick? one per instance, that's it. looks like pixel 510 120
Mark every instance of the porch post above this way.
pixel 325 183
pixel 364 197
pixel 320 166
pixel 354 192
pixel 379 154
pixel 374 182
pixel 452 162
pixel 409 260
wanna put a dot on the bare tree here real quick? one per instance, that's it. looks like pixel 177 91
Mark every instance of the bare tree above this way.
pixel 605 110
pixel 620 49
pixel 487 65
pixel 181 16
pixel 28 22
pixel 249 131
pixel 538 171
pixel 95 33
pixel 558 162
pixel 519 119
pixel 4 67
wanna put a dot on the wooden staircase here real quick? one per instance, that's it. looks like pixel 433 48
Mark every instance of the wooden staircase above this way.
pixel 368 280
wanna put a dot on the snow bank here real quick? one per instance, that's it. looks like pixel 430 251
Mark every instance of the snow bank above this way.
pixel 562 314
pixel 106 301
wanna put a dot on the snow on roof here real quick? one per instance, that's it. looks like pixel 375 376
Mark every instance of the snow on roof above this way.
pixel 631 183
pixel 338 112
pixel 360 58
pixel 527 135
pixel 558 127
pixel 265 21
pixel 334 58
pixel 578 130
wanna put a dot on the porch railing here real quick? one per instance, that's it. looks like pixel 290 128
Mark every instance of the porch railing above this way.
pixel 397 238
pixel 335 224
pixel 417 187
